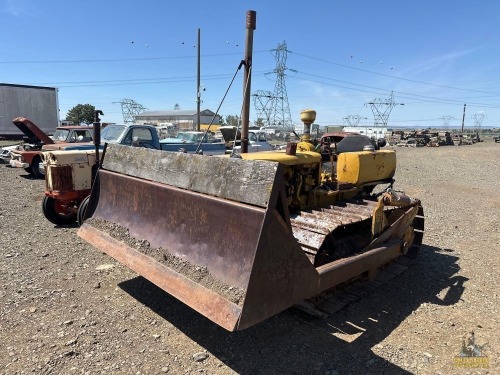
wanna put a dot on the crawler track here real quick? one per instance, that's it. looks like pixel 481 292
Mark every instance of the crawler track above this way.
pixel 333 300
pixel 337 225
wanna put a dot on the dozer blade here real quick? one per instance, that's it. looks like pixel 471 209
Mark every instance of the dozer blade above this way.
pixel 215 233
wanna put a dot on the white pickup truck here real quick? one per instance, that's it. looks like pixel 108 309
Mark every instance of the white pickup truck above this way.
pixel 256 140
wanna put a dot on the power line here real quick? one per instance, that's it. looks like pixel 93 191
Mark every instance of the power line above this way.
pixel 118 82
pixel 426 99
pixel 395 77
pixel 121 59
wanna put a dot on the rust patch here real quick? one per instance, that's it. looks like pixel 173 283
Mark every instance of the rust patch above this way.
pixel 198 274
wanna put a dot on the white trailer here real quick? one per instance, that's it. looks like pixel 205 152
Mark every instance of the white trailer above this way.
pixel 37 103
pixel 376 132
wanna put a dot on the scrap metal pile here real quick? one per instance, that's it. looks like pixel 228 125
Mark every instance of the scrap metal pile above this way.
pixel 421 138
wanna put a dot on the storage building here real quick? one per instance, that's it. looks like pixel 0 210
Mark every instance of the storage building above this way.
pixel 182 119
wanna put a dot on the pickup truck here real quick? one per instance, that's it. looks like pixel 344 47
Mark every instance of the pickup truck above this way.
pixel 256 140
pixel 189 141
pixel 28 156
pixel 71 138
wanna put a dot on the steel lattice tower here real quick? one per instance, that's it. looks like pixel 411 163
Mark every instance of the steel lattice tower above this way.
pixel 281 109
pixel 130 108
pixel 446 121
pixel 381 109
pixel 263 102
pixel 353 120
pixel 478 121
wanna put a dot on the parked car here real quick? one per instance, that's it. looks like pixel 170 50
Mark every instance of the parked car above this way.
pixel 5 152
pixel 29 157
pixel 257 140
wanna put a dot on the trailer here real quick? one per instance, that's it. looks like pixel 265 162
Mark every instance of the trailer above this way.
pixel 375 132
pixel 38 103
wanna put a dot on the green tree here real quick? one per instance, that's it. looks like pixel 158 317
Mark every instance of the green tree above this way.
pixel 232 120
pixel 259 122
pixel 81 113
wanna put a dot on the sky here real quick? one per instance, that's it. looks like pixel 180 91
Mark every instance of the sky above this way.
pixel 434 56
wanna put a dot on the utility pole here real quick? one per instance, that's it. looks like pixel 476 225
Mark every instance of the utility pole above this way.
pixel 463 119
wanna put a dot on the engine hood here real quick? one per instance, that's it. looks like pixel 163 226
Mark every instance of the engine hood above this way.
pixel 229 132
pixel 33 132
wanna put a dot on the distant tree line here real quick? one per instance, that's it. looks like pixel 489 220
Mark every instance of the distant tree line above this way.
pixel 235 120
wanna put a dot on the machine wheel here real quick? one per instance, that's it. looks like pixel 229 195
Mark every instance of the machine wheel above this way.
pixel 35 165
pixel 56 213
pixel 81 210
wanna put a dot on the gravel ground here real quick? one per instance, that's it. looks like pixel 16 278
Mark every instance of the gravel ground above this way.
pixel 66 308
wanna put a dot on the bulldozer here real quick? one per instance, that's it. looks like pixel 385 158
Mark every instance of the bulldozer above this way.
pixel 241 238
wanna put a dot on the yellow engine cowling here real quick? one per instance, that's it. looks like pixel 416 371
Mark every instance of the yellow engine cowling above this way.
pixel 68 169
pixel 361 167
pixel 302 174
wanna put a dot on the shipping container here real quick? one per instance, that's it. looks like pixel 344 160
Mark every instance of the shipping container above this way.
pixel 37 103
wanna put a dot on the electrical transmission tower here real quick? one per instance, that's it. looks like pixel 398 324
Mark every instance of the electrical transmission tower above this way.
pixel 353 120
pixel 281 108
pixel 263 102
pixel 381 109
pixel 446 121
pixel 478 121
pixel 130 109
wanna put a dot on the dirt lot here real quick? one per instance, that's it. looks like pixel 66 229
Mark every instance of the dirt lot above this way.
pixel 66 308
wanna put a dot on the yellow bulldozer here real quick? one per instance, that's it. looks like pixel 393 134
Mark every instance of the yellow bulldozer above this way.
pixel 240 239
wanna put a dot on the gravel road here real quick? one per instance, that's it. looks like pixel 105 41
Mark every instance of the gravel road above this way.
pixel 66 308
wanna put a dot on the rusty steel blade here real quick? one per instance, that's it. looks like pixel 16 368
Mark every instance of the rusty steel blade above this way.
pixel 236 262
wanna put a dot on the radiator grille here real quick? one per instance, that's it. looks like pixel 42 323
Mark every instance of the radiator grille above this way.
pixel 61 178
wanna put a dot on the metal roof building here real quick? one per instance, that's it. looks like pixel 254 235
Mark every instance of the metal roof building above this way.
pixel 184 119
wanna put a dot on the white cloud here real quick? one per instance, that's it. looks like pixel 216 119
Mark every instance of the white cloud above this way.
pixel 442 62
